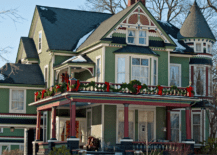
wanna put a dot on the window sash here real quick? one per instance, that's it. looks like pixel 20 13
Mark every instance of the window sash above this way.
pixel 142 37
pixel 198 47
pixel 175 75
pixel 17 100
pixel 196 127
pixel 200 81
pixel 131 36
pixel 121 70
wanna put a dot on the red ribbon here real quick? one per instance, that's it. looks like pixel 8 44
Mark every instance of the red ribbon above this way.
pixel 42 93
pixel 78 85
pixel 189 89
pixel 67 87
pixel 160 92
pixel 108 86
pixel 138 89
pixel 36 95
pixel 57 87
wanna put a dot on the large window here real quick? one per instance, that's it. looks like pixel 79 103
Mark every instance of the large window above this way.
pixel 121 124
pixel 175 75
pixel 196 127
pixel 140 70
pixel 199 75
pixel 17 101
pixel 137 37
pixel 121 70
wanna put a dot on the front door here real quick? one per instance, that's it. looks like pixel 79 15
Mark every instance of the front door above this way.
pixel 175 126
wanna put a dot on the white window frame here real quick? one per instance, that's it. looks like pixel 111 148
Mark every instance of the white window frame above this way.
pixel 180 73
pixel 141 57
pixel 127 63
pixel 100 67
pixel 46 67
pixel 1 130
pixel 39 50
pixel 136 41
pixel 180 123
pixel 192 113
pixel 152 71
pixel 10 102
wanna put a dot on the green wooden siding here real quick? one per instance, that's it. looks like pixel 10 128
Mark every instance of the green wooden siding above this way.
pixel 4 100
pixel 183 126
pixel 60 59
pixel 162 68
pixel 17 132
pixel 184 68
pixel 160 123
pixel 30 99
pixel 110 64
pixel 15 147
pixel 97 115
pixel 110 124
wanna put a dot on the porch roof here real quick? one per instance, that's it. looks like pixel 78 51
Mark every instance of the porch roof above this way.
pixel 114 98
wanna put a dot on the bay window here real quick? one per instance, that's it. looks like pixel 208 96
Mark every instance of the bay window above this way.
pixel 175 75
pixel 17 101
pixel 140 70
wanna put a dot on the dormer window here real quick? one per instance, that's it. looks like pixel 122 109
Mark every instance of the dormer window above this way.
pixel 137 37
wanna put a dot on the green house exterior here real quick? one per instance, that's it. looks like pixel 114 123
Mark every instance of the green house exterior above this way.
pixel 100 47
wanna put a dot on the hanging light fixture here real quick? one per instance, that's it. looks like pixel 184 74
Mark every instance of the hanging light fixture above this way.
pixel 12 129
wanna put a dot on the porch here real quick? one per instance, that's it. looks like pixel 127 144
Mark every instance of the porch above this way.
pixel 110 118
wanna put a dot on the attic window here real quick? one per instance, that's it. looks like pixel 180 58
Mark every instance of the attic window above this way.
pixel 39 41
pixel 136 37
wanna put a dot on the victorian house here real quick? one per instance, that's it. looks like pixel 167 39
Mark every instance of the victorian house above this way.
pixel 123 78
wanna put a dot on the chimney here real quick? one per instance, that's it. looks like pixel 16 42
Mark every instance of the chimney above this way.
pixel 131 2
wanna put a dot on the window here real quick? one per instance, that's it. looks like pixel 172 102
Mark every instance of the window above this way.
pixel 198 47
pixel 121 124
pixel 137 37
pixel 209 49
pixel 98 70
pixel 175 75
pixel 1 130
pixel 196 128
pixel 200 80
pixel 175 122
pixel 142 37
pixel 155 73
pixel 40 41
pixel 17 101
pixel 140 70
pixel 121 70
pixel 131 37
pixel 146 123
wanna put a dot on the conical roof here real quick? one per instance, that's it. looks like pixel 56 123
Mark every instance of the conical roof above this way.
pixel 195 25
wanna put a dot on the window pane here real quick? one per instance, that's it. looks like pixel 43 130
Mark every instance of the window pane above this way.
pixel 155 67
pixel 196 118
pixel 200 81
pixel 131 40
pixel 174 75
pixel 155 80
pixel 144 72
pixel 121 77
pixel 17 100
pixel 142 41
pixel 121 64
pixel 145 62
pixel 131 33
pixel 136 71
pixel 40 35
pixel 196 133
pixel 136 61
pixel 142 33
pixel 198 47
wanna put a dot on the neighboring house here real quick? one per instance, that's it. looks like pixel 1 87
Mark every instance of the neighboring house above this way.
pixel 100 47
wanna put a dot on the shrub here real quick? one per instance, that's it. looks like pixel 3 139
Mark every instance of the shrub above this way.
pixel 60 151
pixel 13 152
pixel 210 146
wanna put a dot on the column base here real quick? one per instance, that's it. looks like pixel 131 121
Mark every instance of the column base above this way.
pixel 72 144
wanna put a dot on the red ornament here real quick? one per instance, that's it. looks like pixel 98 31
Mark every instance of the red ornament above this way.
pixel 189 90
pixel 138 89
pixel 108 86
pixel 57 87
pixel 42 93
pixel 160 92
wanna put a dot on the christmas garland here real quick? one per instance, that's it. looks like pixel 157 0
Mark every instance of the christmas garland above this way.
pixel 134 87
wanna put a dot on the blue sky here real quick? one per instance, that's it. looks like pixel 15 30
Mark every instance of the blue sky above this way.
pixel 10 33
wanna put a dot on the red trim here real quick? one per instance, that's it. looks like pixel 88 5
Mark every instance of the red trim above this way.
pixel 192 75
pixel 204 54
pixel 168 125
pixel 188 123
pixel 37 135
pixel 207 80
pixel 126 123
pixel 53 122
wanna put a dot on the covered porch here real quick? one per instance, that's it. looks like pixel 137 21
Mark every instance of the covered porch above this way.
pixel 115 118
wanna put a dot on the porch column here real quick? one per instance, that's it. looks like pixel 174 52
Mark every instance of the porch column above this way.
pixel 72 119
pixel 188 122
pixel 126 121
pixel 37 136
pixel 53 123
pixel 25 141
pixel 168 125
pixel 72 142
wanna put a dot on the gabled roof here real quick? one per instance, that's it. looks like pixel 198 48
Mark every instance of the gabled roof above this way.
pixel 22 74
pixel 29 46
pixel 136 49
pixel 195 25
pixel 64 27
pixel 105 27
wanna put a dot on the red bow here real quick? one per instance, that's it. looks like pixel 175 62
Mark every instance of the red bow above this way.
pixel 78 85
pixel 67 87
pixel 57 87
pixel 36 94
pixel 138 89
pixel 160 92
pixel 108 86
pixel 42 93
pixel 189 89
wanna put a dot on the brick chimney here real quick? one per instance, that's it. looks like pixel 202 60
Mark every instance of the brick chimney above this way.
pixel 131 2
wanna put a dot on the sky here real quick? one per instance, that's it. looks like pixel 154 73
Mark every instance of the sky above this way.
pixel 11 32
